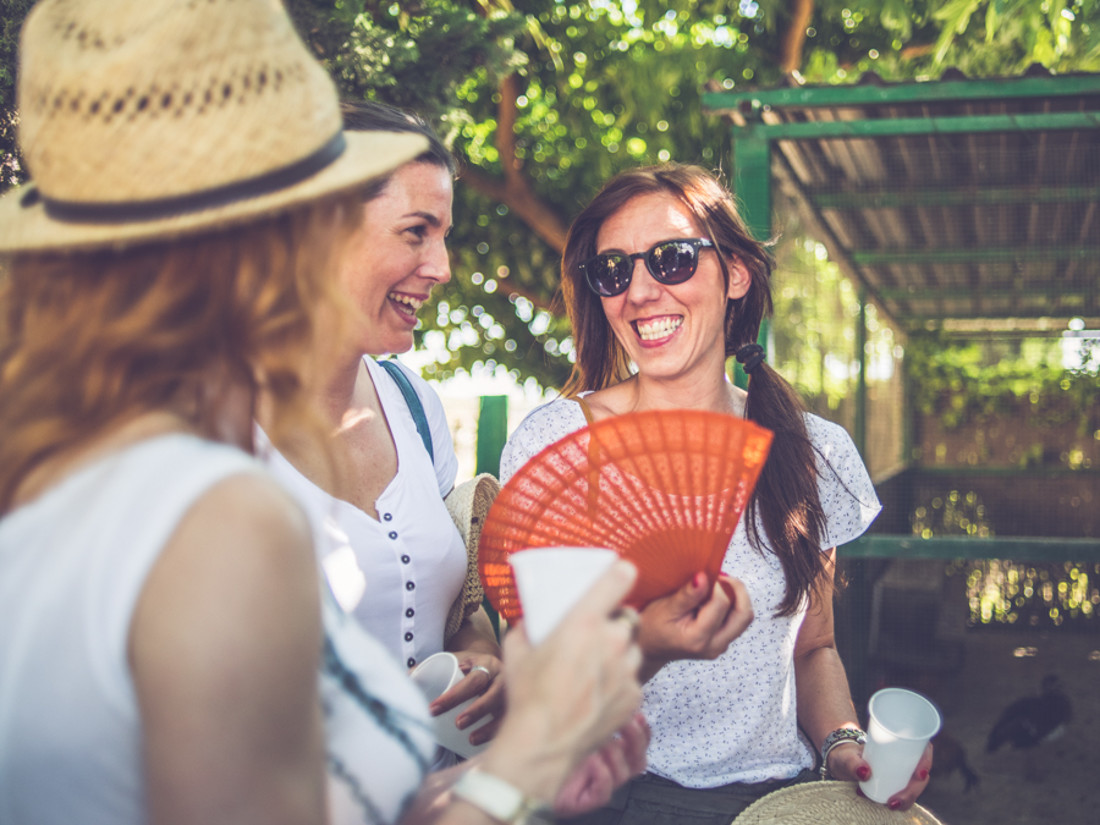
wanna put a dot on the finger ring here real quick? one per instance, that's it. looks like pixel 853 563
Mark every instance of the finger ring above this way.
pixel 630 616
pixel 483 669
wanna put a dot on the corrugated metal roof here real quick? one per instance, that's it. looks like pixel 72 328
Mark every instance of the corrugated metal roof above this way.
pixel 968 205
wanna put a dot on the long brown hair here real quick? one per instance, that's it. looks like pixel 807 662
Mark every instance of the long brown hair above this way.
pixel 91 339
pixel 786 497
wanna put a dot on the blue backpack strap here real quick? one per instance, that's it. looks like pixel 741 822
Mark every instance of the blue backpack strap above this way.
pixel 413 402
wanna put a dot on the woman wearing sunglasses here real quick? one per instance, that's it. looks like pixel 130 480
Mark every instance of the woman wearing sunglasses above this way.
pixel 663 284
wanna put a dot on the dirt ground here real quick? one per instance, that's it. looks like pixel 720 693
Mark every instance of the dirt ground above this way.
pixel 997 667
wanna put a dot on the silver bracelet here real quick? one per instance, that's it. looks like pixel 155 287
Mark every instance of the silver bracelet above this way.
pixel 838 737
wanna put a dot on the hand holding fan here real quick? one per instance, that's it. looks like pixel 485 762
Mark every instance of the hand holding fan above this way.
pixel 663 488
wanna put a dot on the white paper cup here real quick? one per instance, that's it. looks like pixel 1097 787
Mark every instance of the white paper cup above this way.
pixel 435 676
pixel 550 580
pixel 900 724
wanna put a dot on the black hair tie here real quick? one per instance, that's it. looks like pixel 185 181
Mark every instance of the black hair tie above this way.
pixel 750 357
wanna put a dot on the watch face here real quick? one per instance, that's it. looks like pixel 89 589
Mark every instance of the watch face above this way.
pixel 501 800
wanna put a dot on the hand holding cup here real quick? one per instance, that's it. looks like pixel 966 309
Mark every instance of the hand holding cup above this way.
pixel 569 692
pixel 435 676
pixel 900 725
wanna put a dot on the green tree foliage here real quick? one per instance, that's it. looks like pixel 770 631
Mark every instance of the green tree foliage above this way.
pixel 415 55
pixel 11 20
pixel 960 381
pixel 543 100
pixel 591 88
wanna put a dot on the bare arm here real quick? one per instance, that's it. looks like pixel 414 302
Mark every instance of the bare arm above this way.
pixel 224 649
pixel 476 635
pixel 825 701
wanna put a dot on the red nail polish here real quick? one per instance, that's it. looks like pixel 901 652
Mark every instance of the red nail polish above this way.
pixel 894 805
pixel 922 774
pixel 863 772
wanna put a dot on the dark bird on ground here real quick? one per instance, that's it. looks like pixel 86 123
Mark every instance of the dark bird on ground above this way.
pixel 949 756
pixel 1032 720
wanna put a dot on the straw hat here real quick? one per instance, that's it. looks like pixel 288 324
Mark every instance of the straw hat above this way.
pixel 151 119
pixel 827 803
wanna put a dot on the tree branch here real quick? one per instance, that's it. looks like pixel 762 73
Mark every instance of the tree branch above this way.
pixel 794 36
pixel 515 189
pixel 506 130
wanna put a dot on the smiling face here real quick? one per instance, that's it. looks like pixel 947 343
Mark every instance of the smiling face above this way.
pixel 669 331
pixel 399 255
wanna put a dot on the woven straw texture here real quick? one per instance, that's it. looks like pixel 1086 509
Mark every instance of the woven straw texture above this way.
pixel 468 504
pixel 136 101
pixel 665 489
pixel 827 803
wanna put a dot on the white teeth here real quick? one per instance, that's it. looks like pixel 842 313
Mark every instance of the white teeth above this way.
pixel 412 303
pixel 657 328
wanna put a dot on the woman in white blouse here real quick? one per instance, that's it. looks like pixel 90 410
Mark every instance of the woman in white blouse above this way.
pixel 390 550
pixel 663 284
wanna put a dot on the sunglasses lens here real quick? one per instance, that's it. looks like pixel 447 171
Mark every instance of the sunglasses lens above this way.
pixel 669 262
pixel 673 262
pixel 608 274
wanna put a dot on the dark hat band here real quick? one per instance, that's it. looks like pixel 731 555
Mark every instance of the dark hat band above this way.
pixel 137 211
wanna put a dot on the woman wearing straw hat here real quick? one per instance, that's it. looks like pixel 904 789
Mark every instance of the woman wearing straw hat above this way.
pixel 394 557
pixel 164 626
pixel 663 284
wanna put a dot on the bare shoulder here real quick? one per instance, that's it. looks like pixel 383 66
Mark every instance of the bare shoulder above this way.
pixel 611 401
pixel 230 618
pixel 254 509
pixel 245 541
pixel 238 570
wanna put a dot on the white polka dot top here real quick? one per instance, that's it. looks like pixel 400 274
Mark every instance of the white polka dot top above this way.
pixel 733 719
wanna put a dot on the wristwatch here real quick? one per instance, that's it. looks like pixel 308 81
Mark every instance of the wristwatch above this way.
pixel 500 800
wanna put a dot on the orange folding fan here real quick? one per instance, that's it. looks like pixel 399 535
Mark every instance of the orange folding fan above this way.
pixel 664 488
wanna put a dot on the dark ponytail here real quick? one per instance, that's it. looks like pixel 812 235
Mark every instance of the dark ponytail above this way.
pixel 786 498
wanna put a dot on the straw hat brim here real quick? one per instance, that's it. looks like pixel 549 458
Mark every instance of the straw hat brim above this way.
pixel 827 803
pixel 469 503
pixel 26 226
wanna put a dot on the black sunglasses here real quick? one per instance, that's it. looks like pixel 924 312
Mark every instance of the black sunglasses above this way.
pixel 669 262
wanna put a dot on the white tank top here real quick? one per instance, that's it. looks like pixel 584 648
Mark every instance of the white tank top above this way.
pixel 72 564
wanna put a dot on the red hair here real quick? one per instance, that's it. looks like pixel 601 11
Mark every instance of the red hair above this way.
pixel 89 340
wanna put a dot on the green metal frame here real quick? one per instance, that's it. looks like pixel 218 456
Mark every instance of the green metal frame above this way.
pixel 752 150
pixel 753 140
pixel 753 186
pixel 966 547
pixel 918 92
pixel 912 126
pixel 492 432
